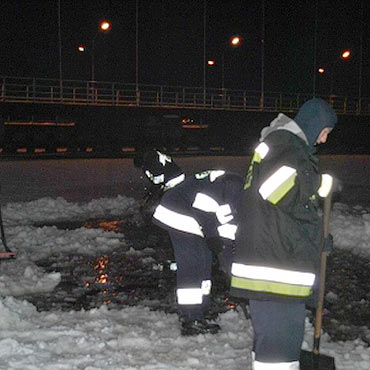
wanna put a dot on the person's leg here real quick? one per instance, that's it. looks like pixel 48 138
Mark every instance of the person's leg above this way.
pixel 278 334
pixel 194 268
pixel 193 272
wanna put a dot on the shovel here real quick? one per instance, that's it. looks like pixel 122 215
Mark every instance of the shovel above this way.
pixel 7 253
pixel 314 360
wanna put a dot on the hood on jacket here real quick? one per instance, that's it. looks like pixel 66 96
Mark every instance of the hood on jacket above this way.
pixel 283 122
pixel 314 115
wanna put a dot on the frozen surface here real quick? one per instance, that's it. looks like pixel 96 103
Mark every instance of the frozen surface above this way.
pixel 130 337
pixel 124 337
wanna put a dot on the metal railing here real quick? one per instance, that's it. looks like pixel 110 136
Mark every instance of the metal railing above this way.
pixel 98 93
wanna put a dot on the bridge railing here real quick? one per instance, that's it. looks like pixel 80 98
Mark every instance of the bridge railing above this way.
pixel 100 93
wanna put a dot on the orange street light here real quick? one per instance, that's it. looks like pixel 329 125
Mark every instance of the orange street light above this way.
pixel 321 70
pixel 331 67
pixel 105 26
pixel 346 54
pixel 235 41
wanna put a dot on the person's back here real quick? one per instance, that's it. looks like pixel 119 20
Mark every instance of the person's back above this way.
pixel 201 195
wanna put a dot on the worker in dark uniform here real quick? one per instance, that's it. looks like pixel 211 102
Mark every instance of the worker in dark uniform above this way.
pixel 199 213
pixel 278 243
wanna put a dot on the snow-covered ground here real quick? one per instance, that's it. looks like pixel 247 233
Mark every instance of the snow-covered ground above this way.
pixel 132 337
pixel 126 337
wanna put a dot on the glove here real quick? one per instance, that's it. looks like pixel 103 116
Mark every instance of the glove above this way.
pixel 215 245
pixel 151 199
pixel 328 244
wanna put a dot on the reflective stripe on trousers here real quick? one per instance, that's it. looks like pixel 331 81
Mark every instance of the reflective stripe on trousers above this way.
pixel 277 366
pixel 194 295
pixel 257 365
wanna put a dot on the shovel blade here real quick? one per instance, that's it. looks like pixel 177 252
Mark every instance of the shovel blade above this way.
pixel 311 361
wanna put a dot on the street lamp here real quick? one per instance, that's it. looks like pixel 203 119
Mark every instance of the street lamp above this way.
pixel 234 41
pixel 346 54
pixel 321 70
pixel 104 27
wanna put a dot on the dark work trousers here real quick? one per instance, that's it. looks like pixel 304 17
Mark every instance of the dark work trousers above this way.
pixel 194 265
pixel 278 330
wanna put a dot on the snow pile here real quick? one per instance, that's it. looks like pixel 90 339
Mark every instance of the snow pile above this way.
pixel 49 209
pixel 40 242
pixel 22 276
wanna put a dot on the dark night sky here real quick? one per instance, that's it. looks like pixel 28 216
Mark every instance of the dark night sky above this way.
pixel 171 41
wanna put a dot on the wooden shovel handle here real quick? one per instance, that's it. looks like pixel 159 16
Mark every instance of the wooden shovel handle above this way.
pixel 323 262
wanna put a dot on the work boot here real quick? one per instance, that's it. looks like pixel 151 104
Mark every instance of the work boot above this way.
pixel 211 315
pixel 197 327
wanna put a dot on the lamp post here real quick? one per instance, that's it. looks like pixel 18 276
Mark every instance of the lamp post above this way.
pixel 346 54
pixel 262 97
pixel 234 41
pixel 104 27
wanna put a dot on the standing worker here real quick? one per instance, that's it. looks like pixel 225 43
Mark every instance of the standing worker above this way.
pixel 199 213
pixel 278 243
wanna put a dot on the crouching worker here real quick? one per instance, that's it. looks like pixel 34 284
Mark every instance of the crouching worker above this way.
pixel 199 213
pixel 278 243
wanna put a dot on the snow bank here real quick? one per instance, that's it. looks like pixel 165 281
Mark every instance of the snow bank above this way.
pixel 50 209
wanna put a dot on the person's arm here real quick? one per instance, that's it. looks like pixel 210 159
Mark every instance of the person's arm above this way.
pixel 151 198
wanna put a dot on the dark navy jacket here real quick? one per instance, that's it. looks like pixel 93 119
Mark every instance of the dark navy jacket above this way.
pixel 204 204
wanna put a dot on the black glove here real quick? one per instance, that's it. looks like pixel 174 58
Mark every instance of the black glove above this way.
pixel 151 198
pixel 328 244
pixel 215 245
